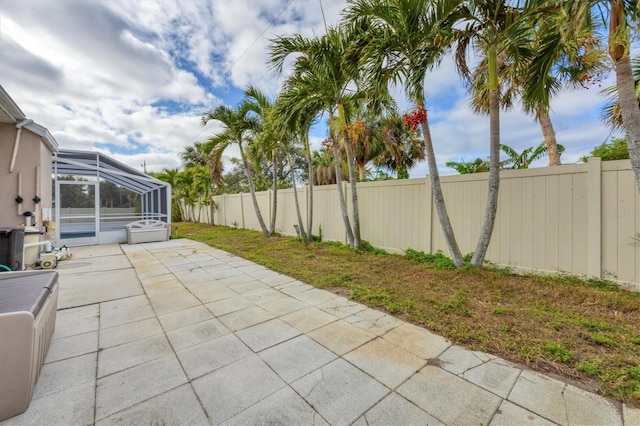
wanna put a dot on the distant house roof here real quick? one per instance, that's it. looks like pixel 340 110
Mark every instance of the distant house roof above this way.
pixel 10 113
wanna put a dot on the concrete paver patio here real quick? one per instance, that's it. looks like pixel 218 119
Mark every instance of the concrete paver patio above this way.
pixel 182 333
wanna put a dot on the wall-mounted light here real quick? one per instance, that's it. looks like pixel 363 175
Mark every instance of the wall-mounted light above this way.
pixel 19 199
pixel 36 199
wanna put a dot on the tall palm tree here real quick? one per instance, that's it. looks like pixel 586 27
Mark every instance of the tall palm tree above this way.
pixel 267 140
pixel 401 41
pixel 278 137
pixel 511 83
pixel 618 19
pixel 494 28
pixel 321 72
pixel 238 128
pixel 297 113
pixel 289 146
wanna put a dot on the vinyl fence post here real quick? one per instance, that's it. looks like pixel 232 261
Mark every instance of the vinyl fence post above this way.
pixel 428 215
pixel 594 217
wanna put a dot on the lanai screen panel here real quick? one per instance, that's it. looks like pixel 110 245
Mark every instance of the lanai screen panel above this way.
pixel 122 194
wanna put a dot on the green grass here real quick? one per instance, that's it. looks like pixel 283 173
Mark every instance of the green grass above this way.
pixel 581 329
pixel 558 352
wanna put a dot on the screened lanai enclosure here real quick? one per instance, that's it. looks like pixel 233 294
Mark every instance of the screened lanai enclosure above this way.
pixel 95 196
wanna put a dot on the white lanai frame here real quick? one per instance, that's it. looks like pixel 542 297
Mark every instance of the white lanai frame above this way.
pixel 86 226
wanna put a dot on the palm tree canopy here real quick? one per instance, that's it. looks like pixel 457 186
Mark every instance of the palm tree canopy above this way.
pixel 402 40
pixel 237 127
pixel 194 155
pixel 575 23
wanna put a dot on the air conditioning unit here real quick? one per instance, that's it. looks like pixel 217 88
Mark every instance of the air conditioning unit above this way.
pixel 11 247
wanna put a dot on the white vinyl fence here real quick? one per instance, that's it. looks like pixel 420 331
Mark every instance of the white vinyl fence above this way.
pixel 581 219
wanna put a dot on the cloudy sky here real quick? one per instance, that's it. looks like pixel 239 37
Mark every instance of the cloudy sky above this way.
pixel 132 78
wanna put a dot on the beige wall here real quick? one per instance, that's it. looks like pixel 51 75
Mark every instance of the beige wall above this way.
pixel 578 219
pixel 32 154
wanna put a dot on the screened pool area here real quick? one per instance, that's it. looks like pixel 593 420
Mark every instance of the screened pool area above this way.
pixel 95 196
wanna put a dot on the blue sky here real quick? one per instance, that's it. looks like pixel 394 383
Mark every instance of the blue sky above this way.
pixel 132 78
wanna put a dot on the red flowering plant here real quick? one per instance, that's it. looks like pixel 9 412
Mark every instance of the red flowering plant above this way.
pixel 414 118
pixel 587 80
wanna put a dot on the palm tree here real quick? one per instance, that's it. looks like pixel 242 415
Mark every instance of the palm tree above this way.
pixel 511 83
pixel 170 176
pixel 297 112
pixel 194 155
pixel 200 189
pixel 322 74
pixel 184 182
pixel 367 143
pixel 401 147
pixel 611 113
pixel 401 41
pixel 267 140
pixel 570 18
pixel 289 145
pixel 238 128
pixel 324 173
pixel 278 137
pixel 496 29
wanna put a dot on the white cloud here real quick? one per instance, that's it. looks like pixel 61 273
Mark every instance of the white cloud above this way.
pixel 135 76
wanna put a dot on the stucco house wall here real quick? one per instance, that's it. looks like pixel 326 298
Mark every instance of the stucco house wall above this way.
pixel 32 168
pixel 31 176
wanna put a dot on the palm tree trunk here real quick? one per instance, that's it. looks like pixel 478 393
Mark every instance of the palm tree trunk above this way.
pixel 362 172
pixel 494 178
pixel 627 97
pixel 274 203
pixel 353 180
pixel 301 232
pixel 343 205
pixel 182 210
pixel 252 190
pixel 310 209
pixel 630 112
pixel 549 136
pixel 438 197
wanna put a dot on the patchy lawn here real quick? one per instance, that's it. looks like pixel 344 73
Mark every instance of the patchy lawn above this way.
pixel 586 332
